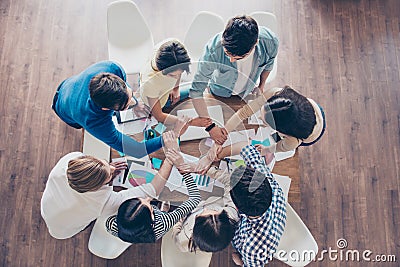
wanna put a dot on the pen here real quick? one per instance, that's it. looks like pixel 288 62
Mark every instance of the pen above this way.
pixel 227 160
pixel 125 174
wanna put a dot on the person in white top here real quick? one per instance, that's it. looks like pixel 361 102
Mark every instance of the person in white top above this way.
pixel 77 191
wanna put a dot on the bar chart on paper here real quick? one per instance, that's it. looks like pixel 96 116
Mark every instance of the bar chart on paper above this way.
pixel 201 180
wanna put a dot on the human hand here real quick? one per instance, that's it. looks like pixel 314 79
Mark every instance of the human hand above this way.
pixel 203 165
pixel 181 125
pixel 175 96
pixel 185 168
pixel 219 135
pixel 265 152
pixel 119 165
pixel 214 151
pixel 174 157
pixel 269 157
pixel 257 90
pixel 200 122
pixel 141 110
pixel 170 141
pixel 262 149
pixel 237 258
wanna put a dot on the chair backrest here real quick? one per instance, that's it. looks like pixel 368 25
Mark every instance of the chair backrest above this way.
pixel 103 244
pixel 126 25
pixel 296 240
pixel 171 256
pixel 266 19
pixel 130 41
pixel 204 26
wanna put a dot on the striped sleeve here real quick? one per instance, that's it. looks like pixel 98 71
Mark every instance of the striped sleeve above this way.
pixel 164 221
pixel 111 225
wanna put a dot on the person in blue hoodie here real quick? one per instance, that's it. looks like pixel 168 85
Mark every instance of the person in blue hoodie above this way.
pixel 89 99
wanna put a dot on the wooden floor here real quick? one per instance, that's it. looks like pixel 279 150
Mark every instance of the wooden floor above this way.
pixel 343 54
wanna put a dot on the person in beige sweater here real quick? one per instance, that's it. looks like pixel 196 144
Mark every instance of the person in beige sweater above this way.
pixel 211 226
pixel 299 121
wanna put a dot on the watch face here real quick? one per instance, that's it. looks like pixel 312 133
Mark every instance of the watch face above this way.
pixel 276 137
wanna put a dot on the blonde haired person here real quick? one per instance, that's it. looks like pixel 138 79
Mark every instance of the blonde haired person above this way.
pixel 77 191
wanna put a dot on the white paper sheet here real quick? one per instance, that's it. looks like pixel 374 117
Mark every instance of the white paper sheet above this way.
pixel 254 119
pixel 284 155
pixel 134 127
pixel 239 136
pixel 118 178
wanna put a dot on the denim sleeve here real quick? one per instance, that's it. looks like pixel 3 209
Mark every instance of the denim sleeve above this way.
pixel 272 50
pixel 205 69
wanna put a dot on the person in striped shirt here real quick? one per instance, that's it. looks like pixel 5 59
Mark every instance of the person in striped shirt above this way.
pixel 138 221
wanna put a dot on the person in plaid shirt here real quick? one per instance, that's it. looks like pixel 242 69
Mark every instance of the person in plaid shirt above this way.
pixel 262 207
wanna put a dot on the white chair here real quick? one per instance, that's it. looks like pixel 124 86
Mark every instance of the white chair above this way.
pixel 204 26
pixel 171 256
pixel 297 246
pixel 104 244
pixel 268 20
pixel 130 42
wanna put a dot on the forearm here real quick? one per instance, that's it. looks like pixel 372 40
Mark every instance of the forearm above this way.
pixel 156 111
pixel 285 144
pixel 165 118
pixel 161 178
pixel 231 150
pixel 245 112
pixel 263 78
pixel 151 145
pixel 201 107
pixel 131 147
pixel 186 207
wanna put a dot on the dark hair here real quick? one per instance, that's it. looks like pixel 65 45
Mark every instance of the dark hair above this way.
pixel 107 90
pixel 171 56
pixel 292 113
pixel 212 233
pixel 252 194
pixel 134 222
pixel 240 35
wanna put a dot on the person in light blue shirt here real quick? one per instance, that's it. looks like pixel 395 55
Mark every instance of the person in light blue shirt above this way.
pixel 89 99
pixel 232 63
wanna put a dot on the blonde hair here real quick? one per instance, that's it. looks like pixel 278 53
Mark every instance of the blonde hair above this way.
pixel 87 173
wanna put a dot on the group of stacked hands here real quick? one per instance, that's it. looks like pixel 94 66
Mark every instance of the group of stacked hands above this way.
pixel 251 215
